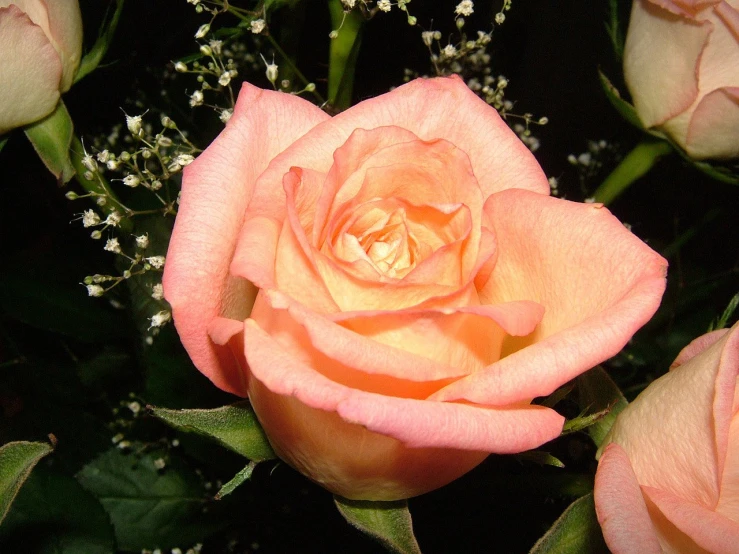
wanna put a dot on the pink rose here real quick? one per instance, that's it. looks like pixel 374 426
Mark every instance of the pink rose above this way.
pixel 669 479
pixel 681 63
pixel 41 46
pixel 393 286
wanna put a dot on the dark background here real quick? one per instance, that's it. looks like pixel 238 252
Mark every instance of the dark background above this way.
pixel 550 51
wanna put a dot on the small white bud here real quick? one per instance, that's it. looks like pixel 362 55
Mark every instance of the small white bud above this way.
pixel 157 262
pixel 499 18
pixel 71 195
pixel 159 319
pixel 205 50
pixel 156 184
pixel 112 245
pixel 197 98
pixel 333 34
pixel 96 235
pixel 180 67
pixel 164 141
pixel 112 165
pixel 131 181
pixel 142 241
pixel 90 218
pixel 202 31
pixel 224 79
pixel 157 291
pixel 257 26
pixel 88 175
pixel 271 71
pixel 225 115
pixel 184 159
pixel 95 290
pixel 216 46
pixel 134 124
pixel 89 162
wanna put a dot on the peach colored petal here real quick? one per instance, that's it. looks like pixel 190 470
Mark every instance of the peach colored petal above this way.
pixel 728 503
pixel 687 8
pixel 662 52
pixel 65 27
pixel 215 191
pixel 597 281
pixel 429 108
pixel 342 345
pixel 709 530
pixel 620 506
pixel 697 346
pixel 416 423
pixel 677 441
pixel 467 337
pixel 714 126
pixel 729 15
pixel 30 72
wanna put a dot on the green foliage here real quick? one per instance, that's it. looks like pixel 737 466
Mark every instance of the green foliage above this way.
pixel 541 458
pixel 51 138
pixel 614 28
pixel 599 394
pixel 723 320
pixel 576 530
pixel 627 111
pixel 105 36
pixel 343 53
pixel 53 514
pixel 387 522
pixel 236 427
pixel 239 479
pixel 150 507
pixel 17 459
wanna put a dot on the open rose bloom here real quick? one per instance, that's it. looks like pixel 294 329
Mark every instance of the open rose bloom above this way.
pixel 40 50
pixel 393 286
pixel 669 479
pixel 681 64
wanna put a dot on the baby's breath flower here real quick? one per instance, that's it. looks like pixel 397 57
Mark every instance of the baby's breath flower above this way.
pixel 95 290
pixel 449 51
pixel 134 124
pixel 90 218
pixel 180 67
pixel 384 5
pixel 226 115
pixel 159 319
pixel 197 98
pixel 184 159
pixel 216 46
pixel 103 156
pixel 224 79
pixel 113 219
pixel 465 8
pixel 157 291
pixel 349 4
pixel 257 26
pixel 157 262
pixel 89 162
pixel 112 245
pixel 499 18
pixel 131 181
pixel 428 37
pixel 142 241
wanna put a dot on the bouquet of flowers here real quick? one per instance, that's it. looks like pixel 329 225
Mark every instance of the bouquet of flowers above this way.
pixel 278 274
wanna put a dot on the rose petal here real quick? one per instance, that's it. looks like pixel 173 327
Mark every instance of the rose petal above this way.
pixel 418 423
pixel 30 72
pixel 697 346
pixel 678 440
pixel 620 506
pixel 429 108
pixel 714 127
pixel 65 27
pixel 216 189
pixel 706 528
pixel 598 282
pixel 728 502
pixel 661 53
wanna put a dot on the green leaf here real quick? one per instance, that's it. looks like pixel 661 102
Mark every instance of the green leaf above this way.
pixel 53 514
pixel 150 507
pixel 614 30
pixel 105 36
pixel 540 457
pixel 239 478
pixel 723 320
pixel 17 459
pixel 51 138
pixel 387 522
pixel 597 392
pixel 236 427
pixel 576 530
pixel 627 111
pixel 343 53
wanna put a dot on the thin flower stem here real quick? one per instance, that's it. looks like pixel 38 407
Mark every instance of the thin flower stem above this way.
pixel 293 67
pixel 635 165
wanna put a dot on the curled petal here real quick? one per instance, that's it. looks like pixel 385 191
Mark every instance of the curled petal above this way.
pixel 215 191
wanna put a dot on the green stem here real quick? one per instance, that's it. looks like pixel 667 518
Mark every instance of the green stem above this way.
pixel 636 164
pixel 343 53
